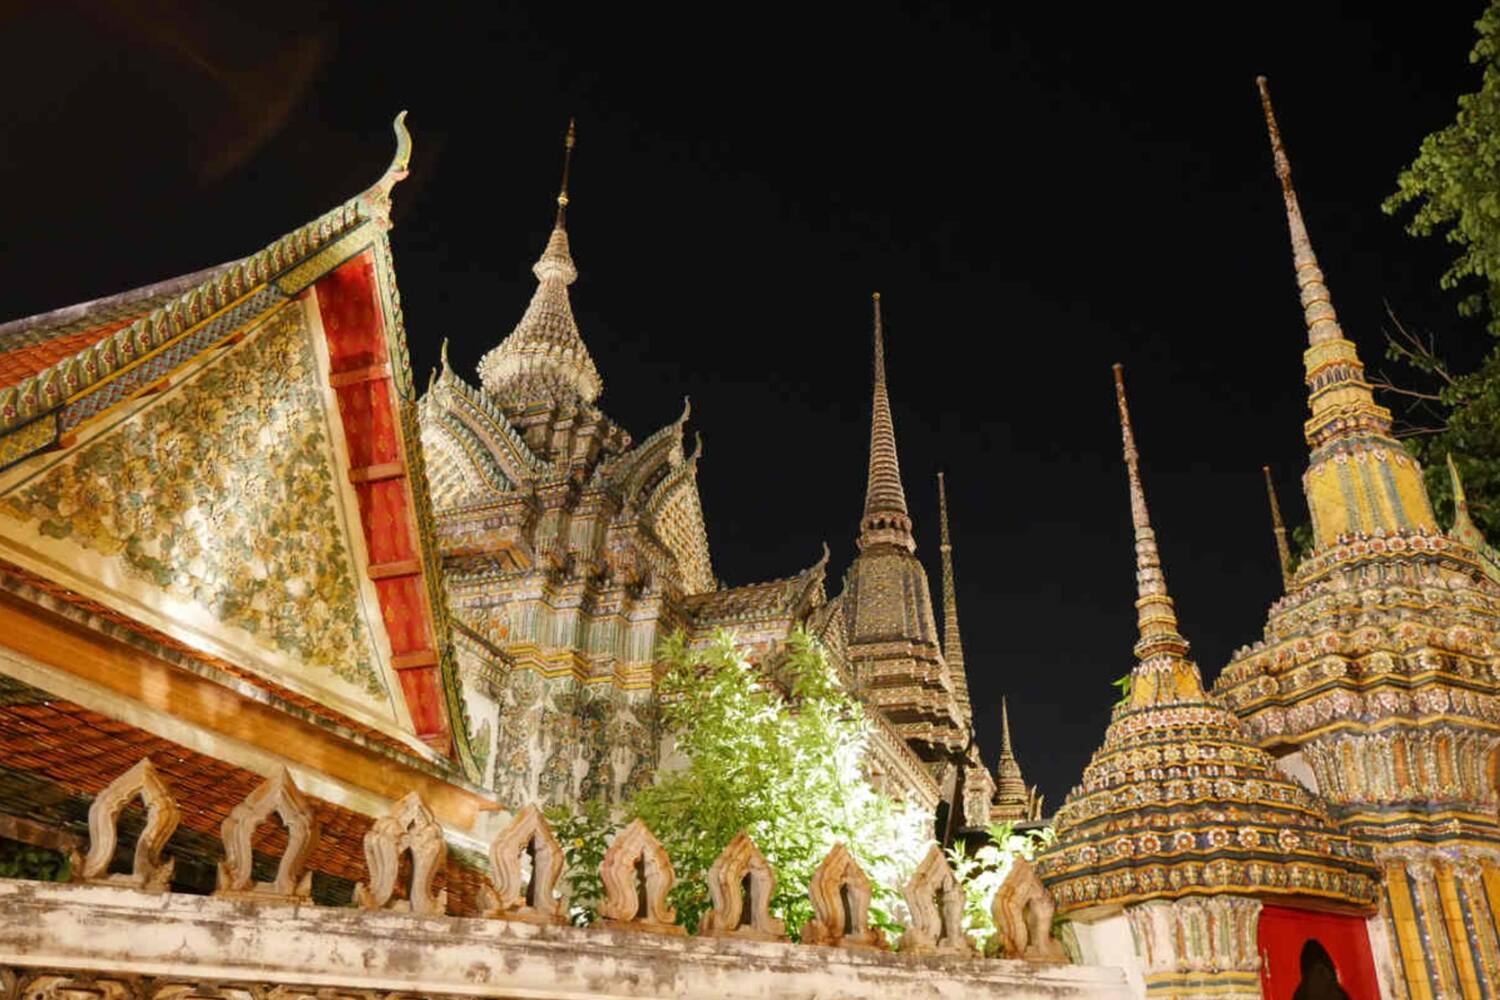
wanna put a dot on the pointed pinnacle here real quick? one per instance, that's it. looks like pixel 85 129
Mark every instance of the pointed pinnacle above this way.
pixel 569 141
pixel 1005 748
pixel 1278 529
pixel 886 518
pixel 1155 618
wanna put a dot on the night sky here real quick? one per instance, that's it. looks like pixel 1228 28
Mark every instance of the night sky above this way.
pixel 1036 190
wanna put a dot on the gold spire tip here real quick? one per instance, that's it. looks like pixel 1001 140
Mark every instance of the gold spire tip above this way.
pixel 569 141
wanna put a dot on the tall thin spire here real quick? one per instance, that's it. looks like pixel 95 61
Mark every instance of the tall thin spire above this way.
pixel 569 141
pixel 1163 672
pixel 886 518
pixel 1317 303
pixel 953 647
pixel 1283 551
pixel 1005 749
pixel 1344 497
pixel 544 358
pixel 1462 523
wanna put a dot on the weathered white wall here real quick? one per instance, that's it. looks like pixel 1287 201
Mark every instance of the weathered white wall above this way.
pixel 1107 941
pixel 198 938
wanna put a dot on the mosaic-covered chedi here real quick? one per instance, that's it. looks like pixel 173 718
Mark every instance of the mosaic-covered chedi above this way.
pixel 1329 808
pixel 1376 676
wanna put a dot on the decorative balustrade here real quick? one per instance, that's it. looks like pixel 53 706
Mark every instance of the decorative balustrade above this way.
pixel 527 863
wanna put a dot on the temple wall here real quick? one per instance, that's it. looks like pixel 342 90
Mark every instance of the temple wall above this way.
pixel 59 941
pixel 1108 941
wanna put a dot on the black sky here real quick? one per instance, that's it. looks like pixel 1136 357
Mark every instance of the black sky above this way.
pixel 1037 190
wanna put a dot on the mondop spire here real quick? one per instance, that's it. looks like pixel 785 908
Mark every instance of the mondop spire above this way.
pixel 1360 480
pixel 953 647
pixel 544 359
pixel 886 519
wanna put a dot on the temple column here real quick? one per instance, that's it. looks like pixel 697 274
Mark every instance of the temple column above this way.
pixel 1198 947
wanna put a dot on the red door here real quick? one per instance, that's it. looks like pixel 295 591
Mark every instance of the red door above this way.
pixel 1320 948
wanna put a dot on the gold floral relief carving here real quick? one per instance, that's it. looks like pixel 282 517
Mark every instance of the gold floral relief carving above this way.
pixel 741 884
pixel 936 902
pixel 511 896
pixel 221 494
pixel 277 794
pixel 637 876
pixel 840 892
pixel 149 872
pixel 409 826
pixel 65 986
pixel 1022 911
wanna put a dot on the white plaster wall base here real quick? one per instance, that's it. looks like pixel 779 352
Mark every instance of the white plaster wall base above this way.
pixel 107 931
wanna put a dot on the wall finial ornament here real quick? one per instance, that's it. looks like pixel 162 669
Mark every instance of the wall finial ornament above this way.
pixel 409 826
pixel 293 884
pixel 637 876
pixel 1022 911
pixel 936 902
pixel 149 872
pixel 840 892
pixel 741 883
pixel 377 200
pixel 512 897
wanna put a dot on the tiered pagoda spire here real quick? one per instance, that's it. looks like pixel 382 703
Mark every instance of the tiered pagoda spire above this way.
pixel 1014 800
pixel 1278 529
pixel 1360 480
pixel 953 647
pixel 1162 674
pixel 544 359
pixel 886 519
pixel 892 634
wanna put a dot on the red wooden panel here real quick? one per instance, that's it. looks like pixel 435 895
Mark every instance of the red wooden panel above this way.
pixel 351 315
pixel 1284 933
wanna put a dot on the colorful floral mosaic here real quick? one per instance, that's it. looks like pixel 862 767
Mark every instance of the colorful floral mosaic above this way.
pixel 219 494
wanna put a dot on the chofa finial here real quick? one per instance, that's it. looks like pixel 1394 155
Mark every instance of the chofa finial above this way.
pixel 377 200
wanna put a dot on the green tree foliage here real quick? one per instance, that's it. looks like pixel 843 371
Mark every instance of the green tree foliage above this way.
pixel 1453 190
pixel 982 872
pixel 777 755
pixel 19 860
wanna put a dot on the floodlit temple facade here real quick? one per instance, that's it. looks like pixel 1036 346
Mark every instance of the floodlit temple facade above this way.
pixel 293 653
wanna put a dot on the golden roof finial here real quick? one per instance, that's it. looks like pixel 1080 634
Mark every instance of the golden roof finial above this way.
pixel 1156 619
pixel 569 141
pixel 953 646
pixel 1461 519
pixel 1005 727
pixel 1283 551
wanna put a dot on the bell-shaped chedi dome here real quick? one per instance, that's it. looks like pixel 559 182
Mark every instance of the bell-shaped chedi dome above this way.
pixel 1178 801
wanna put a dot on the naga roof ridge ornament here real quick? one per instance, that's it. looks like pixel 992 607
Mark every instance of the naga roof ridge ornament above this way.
pixel 377 199
pixel 886 518
pixel 544 359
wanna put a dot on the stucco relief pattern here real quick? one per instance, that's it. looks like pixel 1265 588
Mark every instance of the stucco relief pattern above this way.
pixel 220 495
